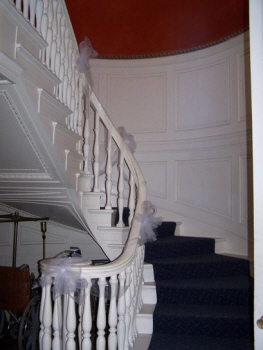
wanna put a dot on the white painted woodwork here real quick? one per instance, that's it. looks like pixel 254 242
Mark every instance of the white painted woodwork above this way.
pixel 256 37
pixel 192 126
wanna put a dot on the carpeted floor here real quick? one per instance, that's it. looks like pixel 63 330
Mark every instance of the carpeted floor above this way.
pixel 204 300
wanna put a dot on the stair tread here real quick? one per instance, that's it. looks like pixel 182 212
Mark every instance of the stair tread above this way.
pixel 181 342
pixel 203 311
pixel 233 282
pixel 193 259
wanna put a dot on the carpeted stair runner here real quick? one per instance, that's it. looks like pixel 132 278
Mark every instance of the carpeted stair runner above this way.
pixel 204 300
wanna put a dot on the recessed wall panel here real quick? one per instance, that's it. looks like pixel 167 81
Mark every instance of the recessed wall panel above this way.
pixel 203 97
pixel 205 184
pixel 155 174
pixel 138 102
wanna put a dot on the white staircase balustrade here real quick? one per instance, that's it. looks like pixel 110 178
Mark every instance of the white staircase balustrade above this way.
pixel 65 325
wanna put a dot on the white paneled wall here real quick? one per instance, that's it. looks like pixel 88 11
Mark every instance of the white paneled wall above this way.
pixel 58 238
pixel 190 115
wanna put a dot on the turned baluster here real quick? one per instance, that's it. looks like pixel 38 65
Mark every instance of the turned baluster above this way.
pixel 71 323
pixel 131 198
pixel 101 316
pixel 44 26
pixel 80 310
pixel 41 331
pixel 19 5
pixel 132 307
pixel 86 148
pixel 121 190
pixel 49 33
pixel 121 328
pixel 62 55
pixel 26 9
pixel 47 316
pixel 79 113
pixel 109 171
pixel 53 48
pixel 32 6
pixel 128 304
pixel 96 153
pixel 58 39
pixel 113 317
pixel 87 318
pixel 64 324
pixel 39 13
pixel 57 323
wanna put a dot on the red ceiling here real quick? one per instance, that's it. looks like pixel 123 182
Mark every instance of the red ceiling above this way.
pixel 130 28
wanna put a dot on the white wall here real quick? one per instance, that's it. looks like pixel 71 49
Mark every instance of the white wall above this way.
pixel 190 115
pixel 29 243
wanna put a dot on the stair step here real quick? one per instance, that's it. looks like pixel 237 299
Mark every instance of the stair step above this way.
pixel 85 182
pixel 199 266
pixel 148 273
pixel 35 70
pixel 172 246
pixel 181 342
pixel 51 108
pixel 216 291
pixel 144 319
pixel 206 320
pixel 149 293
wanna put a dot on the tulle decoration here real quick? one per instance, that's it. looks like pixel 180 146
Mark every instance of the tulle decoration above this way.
pixel 86 52
pixel 128 139
pixel 149 223
pixel 64 279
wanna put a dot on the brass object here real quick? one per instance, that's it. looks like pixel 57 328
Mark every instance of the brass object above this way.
pixel 260 322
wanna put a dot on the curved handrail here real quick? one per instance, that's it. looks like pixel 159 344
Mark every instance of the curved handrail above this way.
pixel 51 20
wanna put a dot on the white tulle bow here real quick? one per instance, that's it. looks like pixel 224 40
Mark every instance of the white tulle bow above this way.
pixel 149 223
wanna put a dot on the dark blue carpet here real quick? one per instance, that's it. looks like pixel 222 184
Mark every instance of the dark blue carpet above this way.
pixel 204 300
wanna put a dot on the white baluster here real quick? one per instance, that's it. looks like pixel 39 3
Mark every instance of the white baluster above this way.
pixel 131 199
pixel 33 4
pixel 96 153
pixel 87 319
pixel 57 323
pixel 25 9
pixel 44 20
pixel 66 64
pixel 49 33
pixel 128 304
pixel 121 190
pixel 62 51
pixel 64 325
pixel 47 317
pixel 79 113
pixel 53 49
pixel 113 317
pixel 39 13
pixel 86 137
pixel 71 323
pixel 109 171
pixel 42 303
pixel 19 5
pixel 132 307
pixel 80 309
pixel 101 316
pixel 121 328
pixel 134 310
pixel 58 39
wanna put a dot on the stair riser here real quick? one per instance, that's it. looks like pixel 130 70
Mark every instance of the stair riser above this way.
pixel 200 270
pixel 220 327
pixel 193 296
pixel 177 249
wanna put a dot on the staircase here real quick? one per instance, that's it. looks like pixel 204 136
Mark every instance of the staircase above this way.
pixel 204 299
pixel 57 147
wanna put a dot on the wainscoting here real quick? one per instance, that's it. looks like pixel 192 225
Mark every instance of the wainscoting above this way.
pixel 191 118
